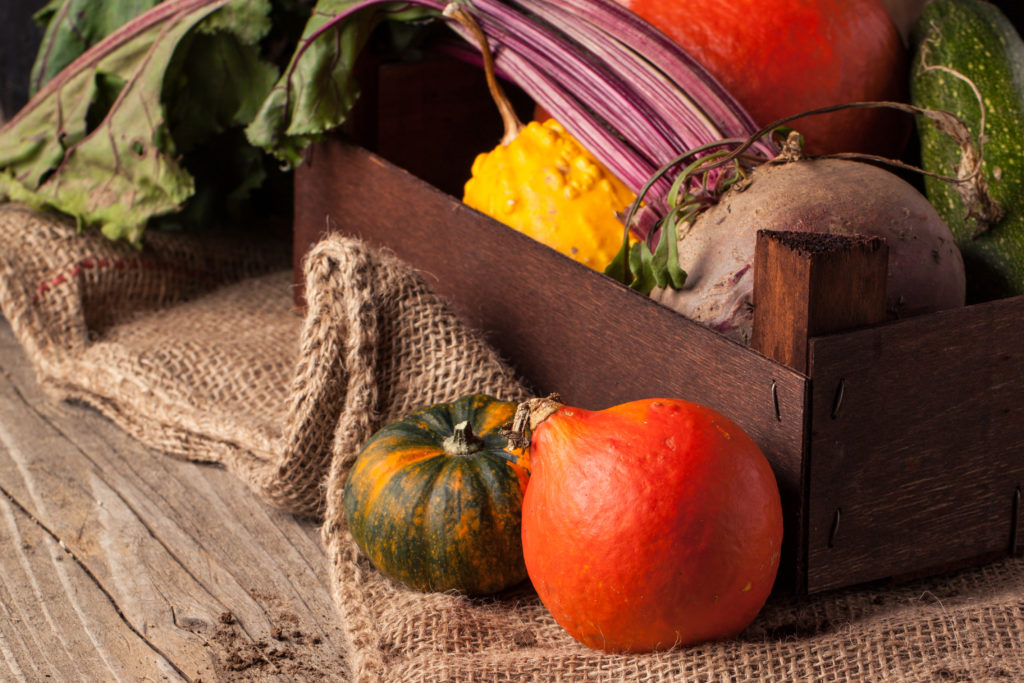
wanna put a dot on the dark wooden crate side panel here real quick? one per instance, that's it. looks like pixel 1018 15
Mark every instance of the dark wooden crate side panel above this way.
pixel 926 453
pixel 432 118
pixel 564 327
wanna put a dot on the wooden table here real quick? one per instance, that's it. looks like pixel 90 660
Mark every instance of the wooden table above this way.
pixel 121 563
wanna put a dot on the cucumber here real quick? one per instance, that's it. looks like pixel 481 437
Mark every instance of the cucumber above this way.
pixel 975 38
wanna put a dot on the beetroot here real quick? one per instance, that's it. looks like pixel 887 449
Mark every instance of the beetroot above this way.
pixel 926 271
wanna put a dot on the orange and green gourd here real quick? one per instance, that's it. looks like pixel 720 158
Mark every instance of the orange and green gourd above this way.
pixel 434 499
pixel 542 182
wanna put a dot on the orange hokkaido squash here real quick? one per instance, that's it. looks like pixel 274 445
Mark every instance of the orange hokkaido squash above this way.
pixel 650 524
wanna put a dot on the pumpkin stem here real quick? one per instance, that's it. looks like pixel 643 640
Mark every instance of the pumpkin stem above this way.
pixel 462 441
pixel 529 414
pixel 513 126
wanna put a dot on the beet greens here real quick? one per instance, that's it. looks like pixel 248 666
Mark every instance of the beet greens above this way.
pixel 116 137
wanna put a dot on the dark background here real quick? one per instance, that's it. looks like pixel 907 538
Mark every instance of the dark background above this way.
pixel 19 38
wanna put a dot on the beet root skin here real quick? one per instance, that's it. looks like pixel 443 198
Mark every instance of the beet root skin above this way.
pixel 925 273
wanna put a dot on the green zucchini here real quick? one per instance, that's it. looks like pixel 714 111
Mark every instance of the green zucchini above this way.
pixel 975 39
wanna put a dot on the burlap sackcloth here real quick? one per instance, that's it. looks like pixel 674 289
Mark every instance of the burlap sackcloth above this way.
pixel 195 347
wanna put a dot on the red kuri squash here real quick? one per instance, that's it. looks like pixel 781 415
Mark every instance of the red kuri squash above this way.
pixel 649 524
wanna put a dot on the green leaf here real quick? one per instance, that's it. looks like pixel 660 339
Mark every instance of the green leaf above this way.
pixel 318 89
pixel 97 141
pixel 248 22
pixel 618 268
pixel 640 263
pixel 72 27
pixel 665 261
pixel 214 82
pixel 642 270
pixel 45 13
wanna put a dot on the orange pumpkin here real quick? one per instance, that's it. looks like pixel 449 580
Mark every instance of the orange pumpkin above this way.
pixel 780 58
pixel 650 524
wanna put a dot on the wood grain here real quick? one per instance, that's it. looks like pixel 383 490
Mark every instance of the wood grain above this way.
pixel 809 284
pixel 126 564
pixel 917 445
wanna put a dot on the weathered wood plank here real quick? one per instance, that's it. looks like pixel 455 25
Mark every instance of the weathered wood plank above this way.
pixel 79 635
pixel 173 570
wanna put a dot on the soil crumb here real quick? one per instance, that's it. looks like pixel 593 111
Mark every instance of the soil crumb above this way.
pixel 285 651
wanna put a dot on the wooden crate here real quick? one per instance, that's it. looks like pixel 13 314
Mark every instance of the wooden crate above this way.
pixel 898 447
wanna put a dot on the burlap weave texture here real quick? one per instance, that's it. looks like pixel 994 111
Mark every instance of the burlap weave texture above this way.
pixel 195 348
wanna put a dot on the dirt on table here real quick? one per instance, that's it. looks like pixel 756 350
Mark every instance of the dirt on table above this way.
pixel 287 651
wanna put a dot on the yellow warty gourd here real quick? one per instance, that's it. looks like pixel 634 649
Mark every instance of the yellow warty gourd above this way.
pixel 540 181
pixel 546 185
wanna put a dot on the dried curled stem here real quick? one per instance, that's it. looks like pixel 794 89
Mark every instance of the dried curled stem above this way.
pixel 513 126
pixel 529 414
pixel 972 185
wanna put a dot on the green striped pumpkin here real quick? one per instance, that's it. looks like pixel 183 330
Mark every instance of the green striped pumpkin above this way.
pixel 434 499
